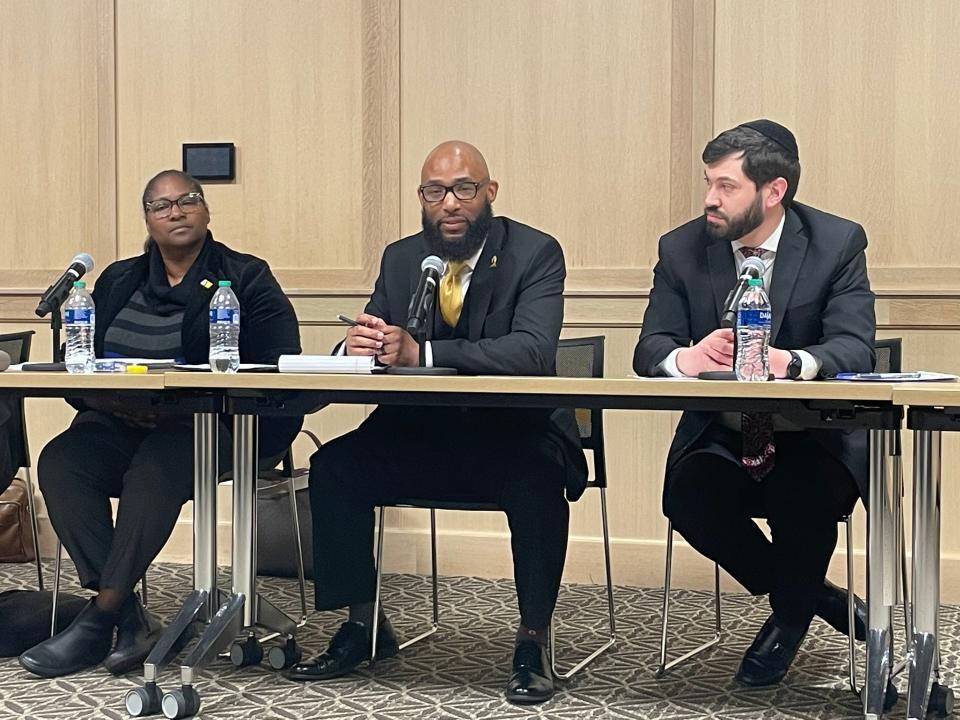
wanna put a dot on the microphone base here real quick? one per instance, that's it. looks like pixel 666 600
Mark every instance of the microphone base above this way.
pixel 723 375
pixel 420 371
pixel 717 375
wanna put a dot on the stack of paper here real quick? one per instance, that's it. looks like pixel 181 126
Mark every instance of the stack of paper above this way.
pixel 325 364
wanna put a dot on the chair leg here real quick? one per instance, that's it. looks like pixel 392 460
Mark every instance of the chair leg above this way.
pixel 376 597
pixel 612 638
pixel 301 574
pixel 34 526
pixel 435 590
pixel 56 589
pixel 664 666
pixel 851 638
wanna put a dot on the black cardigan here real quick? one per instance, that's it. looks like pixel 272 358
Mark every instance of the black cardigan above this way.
pixel 268 324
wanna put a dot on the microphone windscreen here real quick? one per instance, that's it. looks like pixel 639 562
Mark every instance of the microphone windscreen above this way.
pixel 4 361
pixel 754 267
pixel 432 262
pixel 84 259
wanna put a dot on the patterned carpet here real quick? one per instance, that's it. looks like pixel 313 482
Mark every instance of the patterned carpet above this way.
pixel 460 671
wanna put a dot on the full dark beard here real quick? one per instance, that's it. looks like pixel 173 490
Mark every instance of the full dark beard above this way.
pixel 745 223
pixel 461 248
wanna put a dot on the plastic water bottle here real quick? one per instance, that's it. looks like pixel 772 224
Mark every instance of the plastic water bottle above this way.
pixel 79 321
pixel 224 330
pixel 753 334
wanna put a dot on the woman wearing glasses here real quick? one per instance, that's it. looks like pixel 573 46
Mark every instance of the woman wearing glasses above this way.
pixel 151 306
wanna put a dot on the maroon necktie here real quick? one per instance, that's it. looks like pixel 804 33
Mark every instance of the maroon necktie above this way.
pixel 758 452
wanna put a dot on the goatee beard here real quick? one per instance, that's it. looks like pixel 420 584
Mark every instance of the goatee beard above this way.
pixel 743 224
pixel 458 249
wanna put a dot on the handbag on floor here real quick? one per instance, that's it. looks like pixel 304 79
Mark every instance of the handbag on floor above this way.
pixel 16 532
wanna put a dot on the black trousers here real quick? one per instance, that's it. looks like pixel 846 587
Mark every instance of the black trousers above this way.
pixel 151 471
pixel 711 502
pixel 439 454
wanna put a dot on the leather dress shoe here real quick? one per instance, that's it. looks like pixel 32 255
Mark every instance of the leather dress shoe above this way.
pixel 832 607
pixel 84 643
pixel 137 633
pixel 770 655
pixel 531 680
pixel 348 648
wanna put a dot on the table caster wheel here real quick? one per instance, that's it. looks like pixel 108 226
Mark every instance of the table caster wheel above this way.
pixel 143 701
pixel 284 656
pixel 181 703
pixel 890 697
pixel 248 652
pixel 941 700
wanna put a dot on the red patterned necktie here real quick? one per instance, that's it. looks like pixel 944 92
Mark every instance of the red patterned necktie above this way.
pixel 756 428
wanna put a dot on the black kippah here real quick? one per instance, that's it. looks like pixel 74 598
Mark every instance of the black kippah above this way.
pixel 776 132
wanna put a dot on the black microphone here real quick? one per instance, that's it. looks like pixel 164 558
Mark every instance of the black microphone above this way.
pixel 422 300
pixel 54 295
pixel 753 267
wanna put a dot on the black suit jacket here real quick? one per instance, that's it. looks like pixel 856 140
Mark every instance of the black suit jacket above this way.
pixel 820 300
pixel 515 307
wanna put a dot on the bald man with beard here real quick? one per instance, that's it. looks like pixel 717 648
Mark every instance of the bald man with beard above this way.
pixel 499 312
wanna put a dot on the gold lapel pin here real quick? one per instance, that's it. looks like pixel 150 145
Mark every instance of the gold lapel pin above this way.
pixel 206 284
pixel 493 261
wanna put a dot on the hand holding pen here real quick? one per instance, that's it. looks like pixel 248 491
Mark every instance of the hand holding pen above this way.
pixel 365 334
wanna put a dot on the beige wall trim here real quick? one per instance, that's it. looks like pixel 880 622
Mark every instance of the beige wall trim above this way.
pixel 636 563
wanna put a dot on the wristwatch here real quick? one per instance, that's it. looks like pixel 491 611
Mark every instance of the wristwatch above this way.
pixel 795 366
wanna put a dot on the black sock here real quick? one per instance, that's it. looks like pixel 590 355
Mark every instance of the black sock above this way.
pixel 538 636
pixel 363 613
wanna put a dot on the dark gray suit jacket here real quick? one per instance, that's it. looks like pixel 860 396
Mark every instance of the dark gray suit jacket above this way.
pixel 820 298
pixel 515 306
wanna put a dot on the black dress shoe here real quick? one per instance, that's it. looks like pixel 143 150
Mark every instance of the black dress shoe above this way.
pixel 532 679
pixel 137 633
pixel 832 607
pixel 84 643
pixel 769 657
pixel 348 648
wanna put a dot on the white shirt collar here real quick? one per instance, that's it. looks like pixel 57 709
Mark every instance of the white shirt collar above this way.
pixel 771 243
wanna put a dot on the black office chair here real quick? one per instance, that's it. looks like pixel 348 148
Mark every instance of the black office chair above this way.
pixel 888 355
pixel 576 357
pixel 17 346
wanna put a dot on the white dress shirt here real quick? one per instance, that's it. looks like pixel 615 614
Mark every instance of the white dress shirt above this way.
pixel 809 365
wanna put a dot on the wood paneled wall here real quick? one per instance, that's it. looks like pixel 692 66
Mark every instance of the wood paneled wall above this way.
pixel 592 115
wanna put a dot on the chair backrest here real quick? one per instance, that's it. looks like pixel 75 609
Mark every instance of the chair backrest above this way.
pixel 888 355
pixel 17 346
pixel 583 358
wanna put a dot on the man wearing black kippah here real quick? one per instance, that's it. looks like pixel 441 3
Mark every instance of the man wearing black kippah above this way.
pixel 724 469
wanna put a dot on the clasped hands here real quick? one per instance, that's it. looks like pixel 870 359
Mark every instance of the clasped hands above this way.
pixel 715 352
pixel 391 344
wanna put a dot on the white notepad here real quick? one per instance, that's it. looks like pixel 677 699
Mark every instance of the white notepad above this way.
pixel 353 364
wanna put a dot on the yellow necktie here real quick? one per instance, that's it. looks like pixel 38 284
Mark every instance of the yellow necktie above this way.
pixel 451 295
